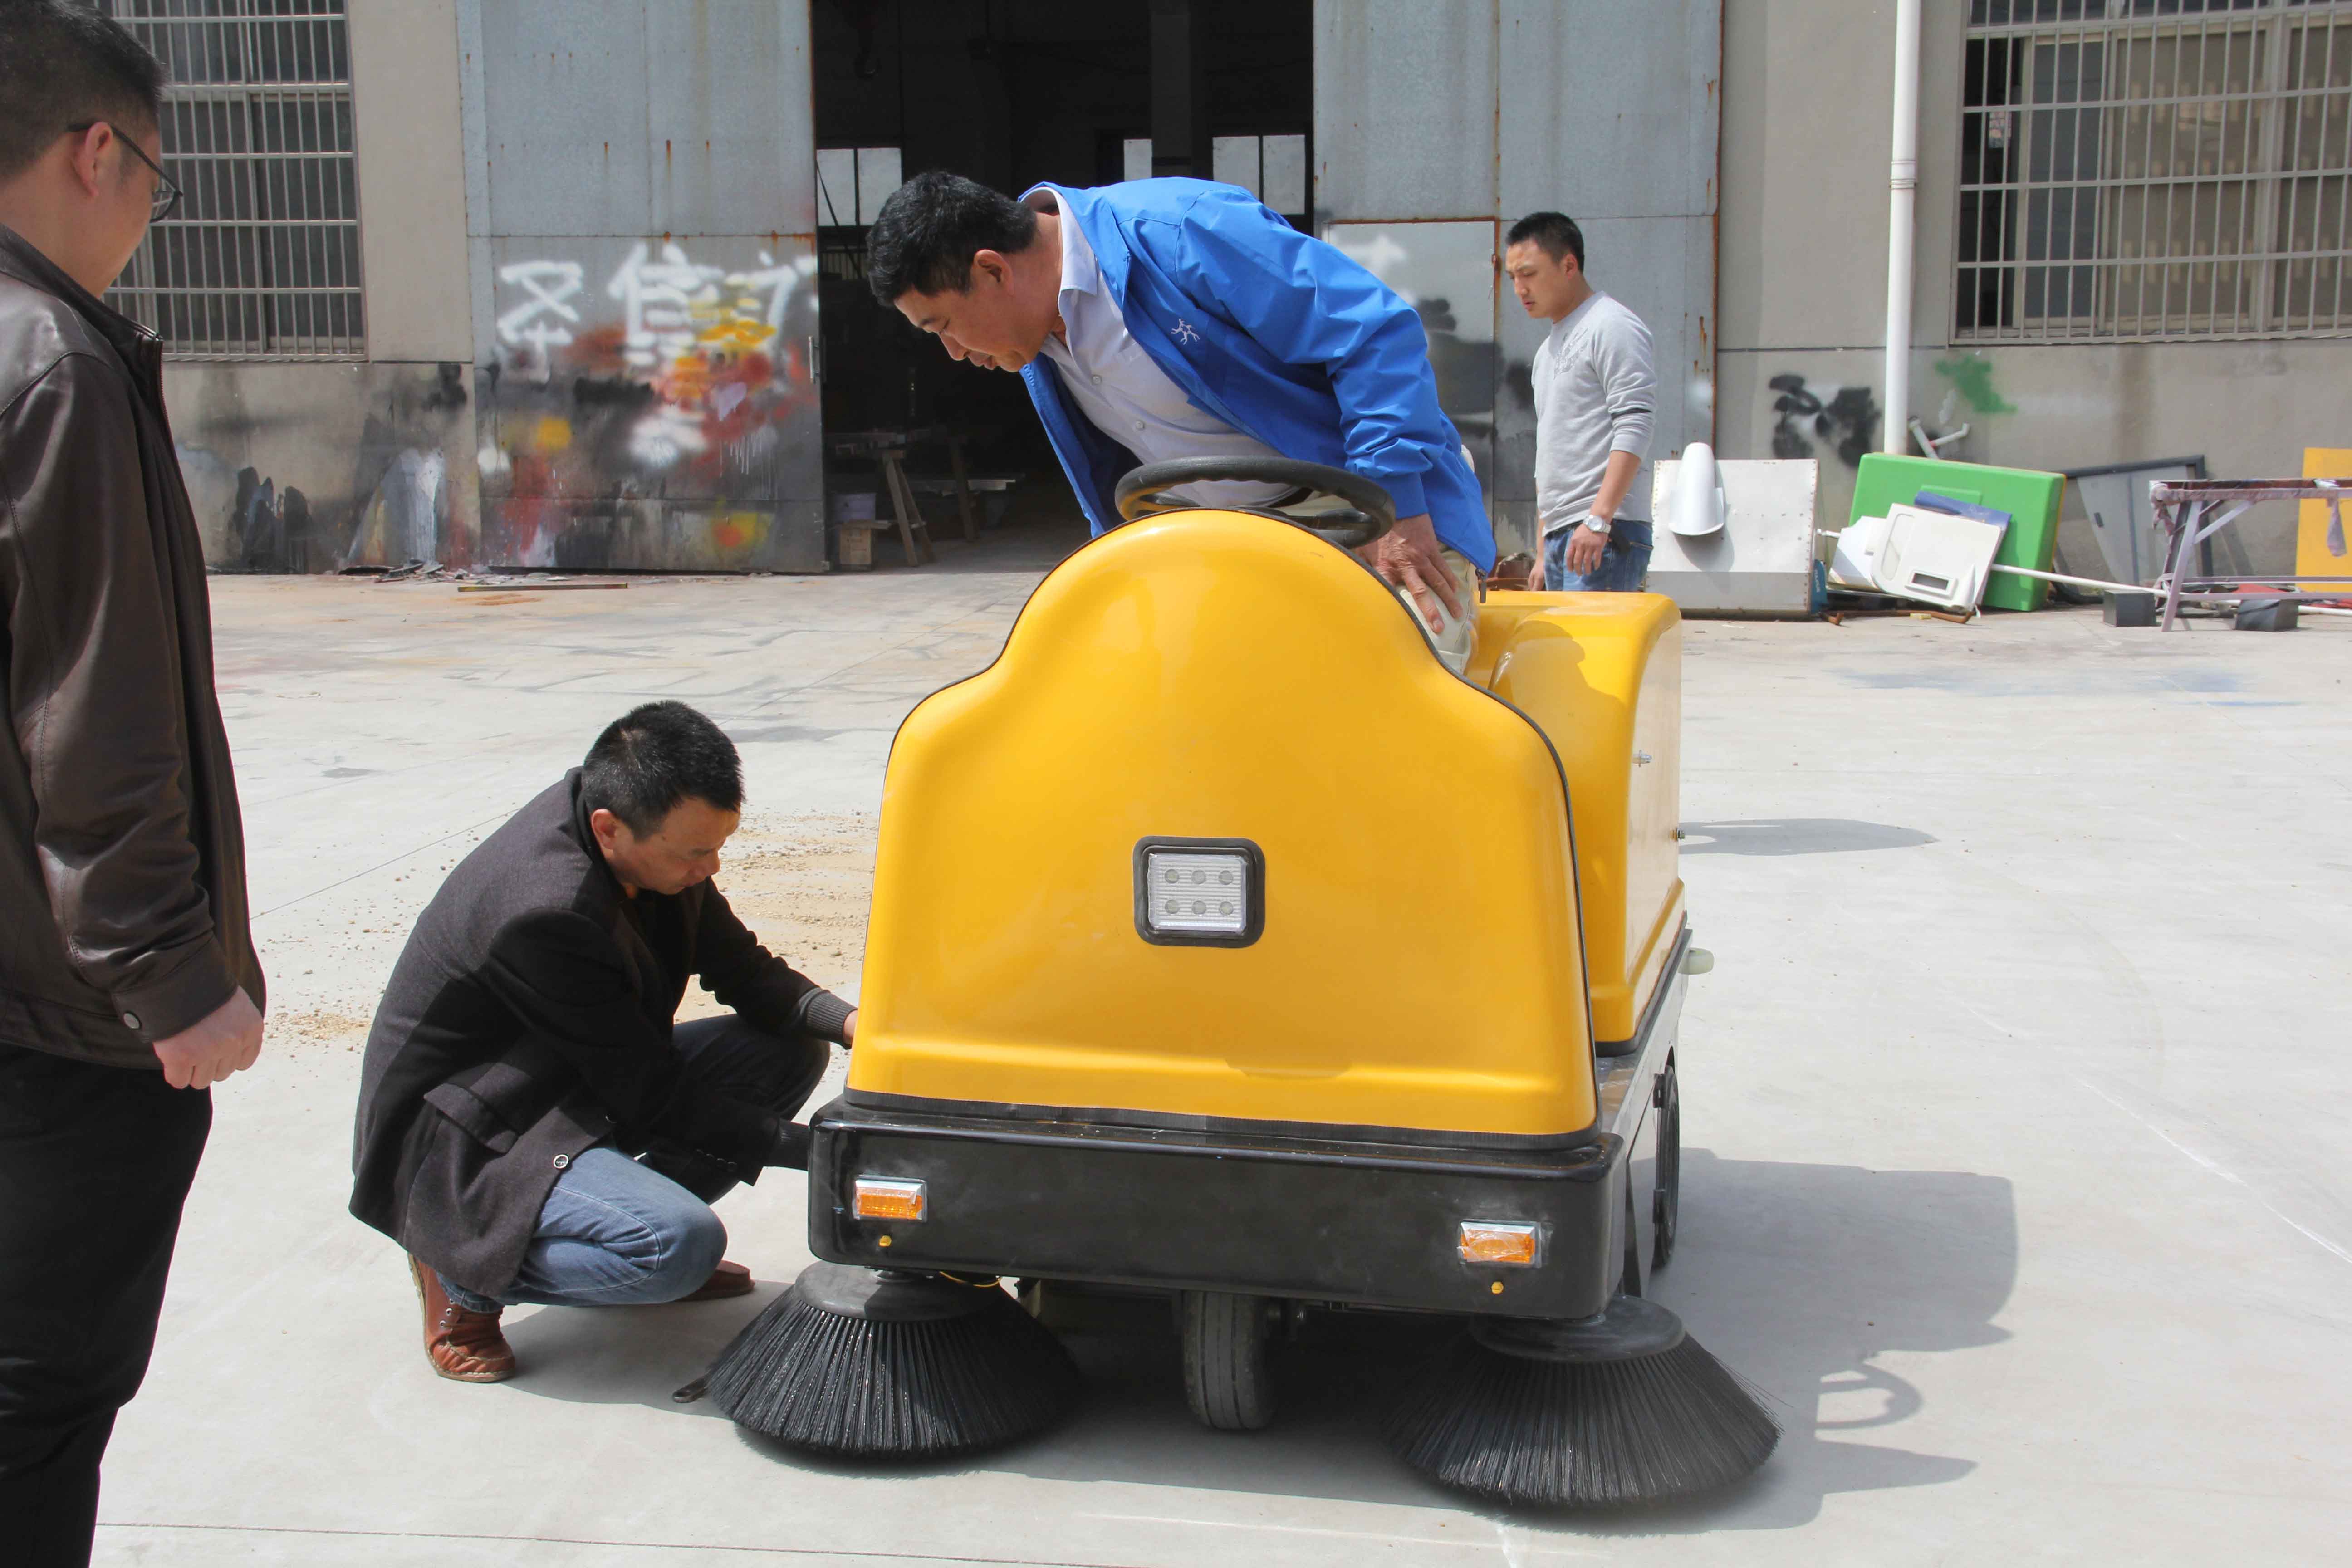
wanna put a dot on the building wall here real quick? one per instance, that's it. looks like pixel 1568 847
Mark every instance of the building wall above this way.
pixel 1807 101
pixel 313 467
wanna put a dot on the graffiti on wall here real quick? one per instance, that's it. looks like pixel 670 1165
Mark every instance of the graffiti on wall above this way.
pixel 642 412
pixel 1844 418
pixel 1971 379
pixel 318 467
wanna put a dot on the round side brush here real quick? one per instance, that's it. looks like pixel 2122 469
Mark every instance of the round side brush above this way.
pixel 1624 1408
pixel 869 1363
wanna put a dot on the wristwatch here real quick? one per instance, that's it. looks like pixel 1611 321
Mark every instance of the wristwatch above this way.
pixel 1598 525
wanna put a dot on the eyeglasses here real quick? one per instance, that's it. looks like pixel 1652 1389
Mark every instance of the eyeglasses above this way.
pixel 167 190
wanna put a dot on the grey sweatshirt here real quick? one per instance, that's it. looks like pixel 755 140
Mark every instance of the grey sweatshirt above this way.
pixel 1595 394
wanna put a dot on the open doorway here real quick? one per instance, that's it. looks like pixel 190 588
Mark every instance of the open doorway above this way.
pixel 1013 93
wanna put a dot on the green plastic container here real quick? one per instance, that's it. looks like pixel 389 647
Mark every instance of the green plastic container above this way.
pixel 2030 499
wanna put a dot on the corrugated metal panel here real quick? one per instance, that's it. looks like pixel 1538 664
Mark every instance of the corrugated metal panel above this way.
pixel 729 132
pixel 646 116
pixel 564 116
pixel 1610 110
pixel 1404 109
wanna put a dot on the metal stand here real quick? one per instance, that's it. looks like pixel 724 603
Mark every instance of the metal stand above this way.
pixel 2191 511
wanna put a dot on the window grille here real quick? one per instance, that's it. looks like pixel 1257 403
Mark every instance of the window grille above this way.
pixel 852 184
pixel 262 258
pixel 2142 169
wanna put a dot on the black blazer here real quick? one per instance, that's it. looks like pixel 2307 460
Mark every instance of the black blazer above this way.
pixel 527 1020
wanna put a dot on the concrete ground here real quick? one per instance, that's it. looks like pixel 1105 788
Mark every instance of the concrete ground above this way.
pixel 2015 1112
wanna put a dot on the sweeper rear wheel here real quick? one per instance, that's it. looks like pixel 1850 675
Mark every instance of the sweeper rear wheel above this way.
pixel 1665 1204
pixel 1228 1377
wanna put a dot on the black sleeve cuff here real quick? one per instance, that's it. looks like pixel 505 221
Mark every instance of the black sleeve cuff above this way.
pixel 823 1014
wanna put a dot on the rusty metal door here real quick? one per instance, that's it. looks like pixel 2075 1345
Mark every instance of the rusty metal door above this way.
pixel 641 211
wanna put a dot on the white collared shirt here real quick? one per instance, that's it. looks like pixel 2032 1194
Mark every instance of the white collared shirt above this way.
pixel 1111 380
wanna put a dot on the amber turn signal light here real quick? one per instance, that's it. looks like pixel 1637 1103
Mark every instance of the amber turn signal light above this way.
pixel 1491 1241
pixel 887 1197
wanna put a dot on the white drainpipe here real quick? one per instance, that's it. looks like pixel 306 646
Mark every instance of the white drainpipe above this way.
pixel 1903 191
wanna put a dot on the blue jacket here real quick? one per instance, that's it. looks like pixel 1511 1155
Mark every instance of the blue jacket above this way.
pixel 1277 335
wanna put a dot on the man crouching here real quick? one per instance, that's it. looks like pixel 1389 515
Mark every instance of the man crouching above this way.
pixel 533 1126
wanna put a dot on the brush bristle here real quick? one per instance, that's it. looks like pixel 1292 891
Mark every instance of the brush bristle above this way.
pixel 861 1389
pixel 1582 1433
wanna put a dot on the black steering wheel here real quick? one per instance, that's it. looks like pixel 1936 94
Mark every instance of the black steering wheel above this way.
pixel 1140 494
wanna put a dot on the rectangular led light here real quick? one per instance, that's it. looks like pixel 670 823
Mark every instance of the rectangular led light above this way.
pixel 887 1197
pixel 1196 892
pixel 1498 1241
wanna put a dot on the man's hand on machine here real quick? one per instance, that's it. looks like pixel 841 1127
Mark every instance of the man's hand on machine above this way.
pixel 1407 556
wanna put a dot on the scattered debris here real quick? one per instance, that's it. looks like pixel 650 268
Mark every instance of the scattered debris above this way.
pixel 531 586
pixel 2270 615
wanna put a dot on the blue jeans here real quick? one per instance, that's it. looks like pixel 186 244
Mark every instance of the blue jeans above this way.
pixel 1624 563
pixel 630 1229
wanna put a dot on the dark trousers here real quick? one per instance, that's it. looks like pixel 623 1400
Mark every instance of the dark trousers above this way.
pixel 95 1162
pixel 633 1226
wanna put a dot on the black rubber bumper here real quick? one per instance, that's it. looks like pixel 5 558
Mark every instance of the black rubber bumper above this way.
pixel 1307 1218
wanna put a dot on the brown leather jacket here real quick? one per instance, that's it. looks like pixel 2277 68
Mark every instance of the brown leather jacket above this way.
pixel 122 900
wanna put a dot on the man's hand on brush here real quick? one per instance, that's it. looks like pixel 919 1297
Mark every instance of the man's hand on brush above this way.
pixel 223 1041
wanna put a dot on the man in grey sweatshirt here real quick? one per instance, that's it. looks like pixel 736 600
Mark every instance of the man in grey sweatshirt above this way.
pixel 1595 396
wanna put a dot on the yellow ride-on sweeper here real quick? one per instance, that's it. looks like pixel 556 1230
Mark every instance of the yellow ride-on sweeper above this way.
pixel 1224 943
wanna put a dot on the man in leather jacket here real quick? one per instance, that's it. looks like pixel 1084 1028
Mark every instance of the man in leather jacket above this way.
pixel 533 1126
pixel 128 979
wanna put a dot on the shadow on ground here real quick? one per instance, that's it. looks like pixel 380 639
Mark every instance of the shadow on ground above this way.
pixel 1799 1276
pixel 1797 836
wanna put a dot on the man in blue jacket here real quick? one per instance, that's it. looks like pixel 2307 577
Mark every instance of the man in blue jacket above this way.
pixel 1166 319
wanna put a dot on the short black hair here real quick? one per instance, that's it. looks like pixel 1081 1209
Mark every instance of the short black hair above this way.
pixel 61 63
pixel 926 235
pixel 653 757
pixel 1556 233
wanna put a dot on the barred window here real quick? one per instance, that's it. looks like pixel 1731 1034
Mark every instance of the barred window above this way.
pixel 2137 169
pixel 262 258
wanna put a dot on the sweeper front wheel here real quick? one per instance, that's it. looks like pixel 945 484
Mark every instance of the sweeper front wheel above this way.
pixel 1228 1373
pixel 1665 1204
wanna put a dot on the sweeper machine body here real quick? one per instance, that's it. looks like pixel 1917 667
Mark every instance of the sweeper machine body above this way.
pixel 1224 943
